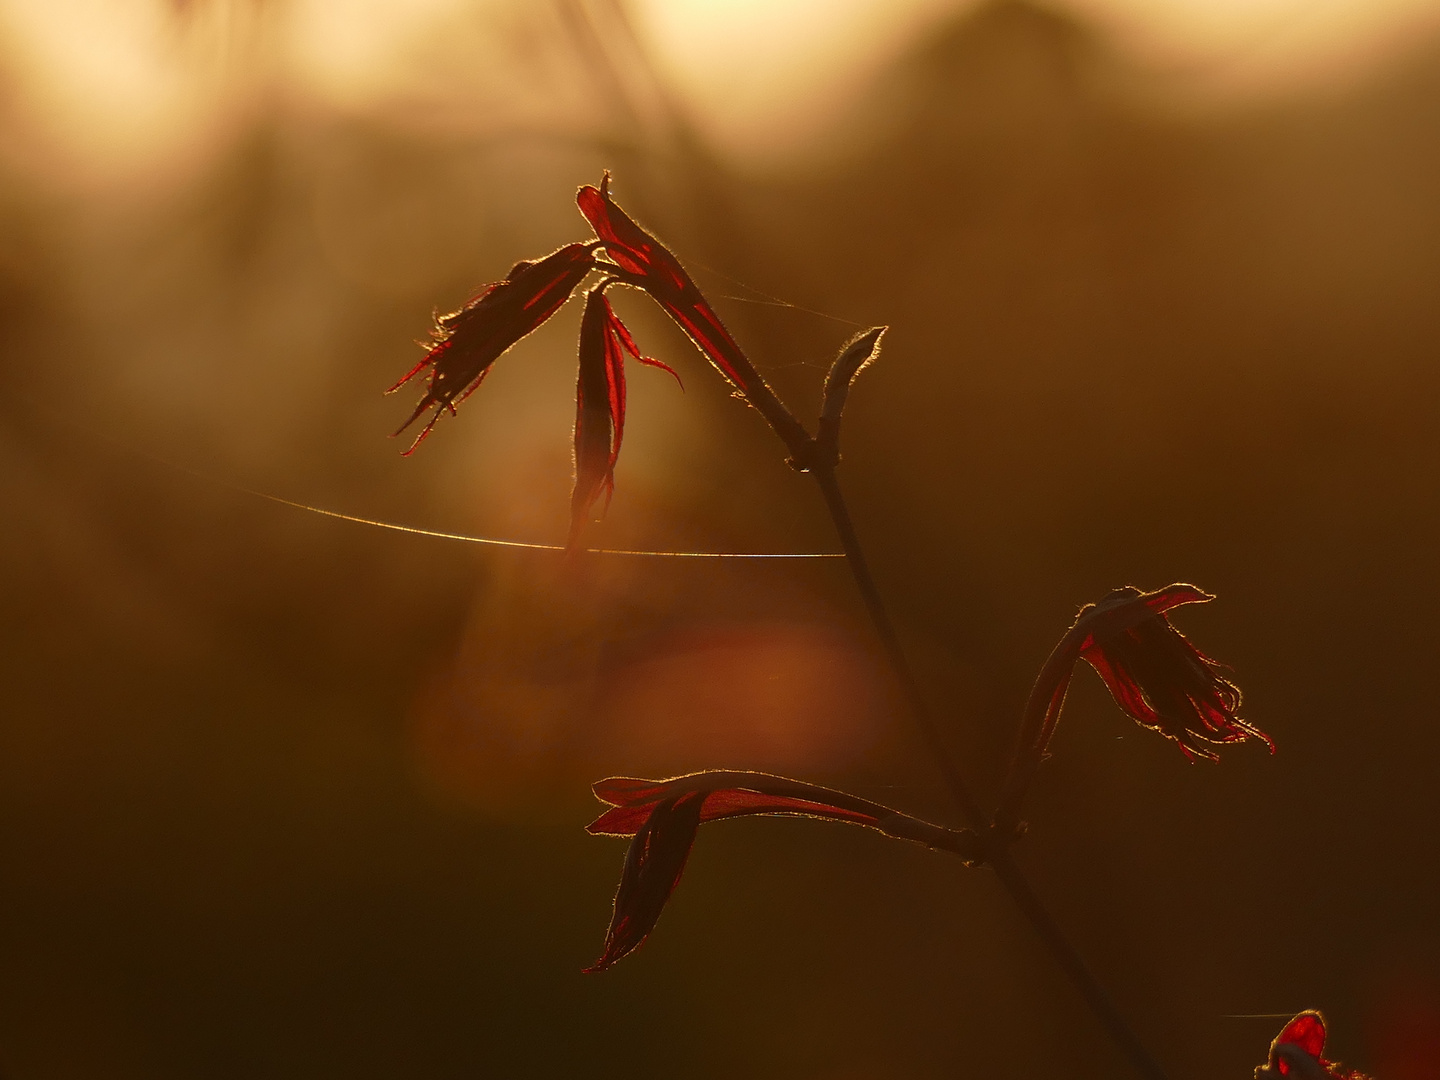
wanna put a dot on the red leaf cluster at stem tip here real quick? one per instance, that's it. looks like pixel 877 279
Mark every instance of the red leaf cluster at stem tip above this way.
pixel 1153 672
pixel 1298 1052
pixel 467 342
pixel 664 816
pixel 1156 676
pixel 1160 680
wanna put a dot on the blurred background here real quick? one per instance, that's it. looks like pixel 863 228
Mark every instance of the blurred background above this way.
pixel 286 796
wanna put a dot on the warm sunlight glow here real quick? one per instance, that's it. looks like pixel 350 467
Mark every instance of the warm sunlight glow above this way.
pixel 1262 45
pixel 110 86
pixel 357 50
pixel 762 77
pixel 764 72
pixel 118 84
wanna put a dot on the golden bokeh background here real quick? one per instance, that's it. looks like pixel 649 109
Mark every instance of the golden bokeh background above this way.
pixel 282 795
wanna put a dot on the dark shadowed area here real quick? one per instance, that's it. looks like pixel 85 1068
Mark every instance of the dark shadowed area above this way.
pixel 287 796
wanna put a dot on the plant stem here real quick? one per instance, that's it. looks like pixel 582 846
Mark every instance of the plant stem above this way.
pixel 885 631
pixel 997 855
pixel 1070 962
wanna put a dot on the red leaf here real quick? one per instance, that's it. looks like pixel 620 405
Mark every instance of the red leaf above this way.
pixel 653 866
pixel 599 406
pixel 654 268
pixel 1306 1031
pixel 627 243
pixel 623 335
pixel 1298 1052
pixel 663 816
pixel 1156 676
pixel 599 411
pixel 468 341
pixel 1123 687
pixel 731 793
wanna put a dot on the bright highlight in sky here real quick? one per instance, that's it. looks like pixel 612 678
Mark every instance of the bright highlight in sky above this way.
pixel 102 84
pixel 760 74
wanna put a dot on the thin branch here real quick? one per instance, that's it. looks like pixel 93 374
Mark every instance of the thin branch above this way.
pixel 824 477
pixel 820 462
pixel 997 852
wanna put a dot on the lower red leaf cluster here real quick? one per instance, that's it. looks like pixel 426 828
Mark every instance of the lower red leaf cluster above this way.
pixel 664 817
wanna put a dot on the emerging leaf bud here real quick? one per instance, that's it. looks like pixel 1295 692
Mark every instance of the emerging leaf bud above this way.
pixel 1298 1053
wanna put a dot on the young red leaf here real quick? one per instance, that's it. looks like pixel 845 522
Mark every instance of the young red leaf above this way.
pixel 653 866
pixel 664 816
pixel 646 263
pixel 1307 1031
pixel 659 273
pixel 467 342
pixel 599 405
pixel 622 335
pixel 1153 672
pixel 634 249
pixel 599 412
pixel 1156 676
pixel 1298 1053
